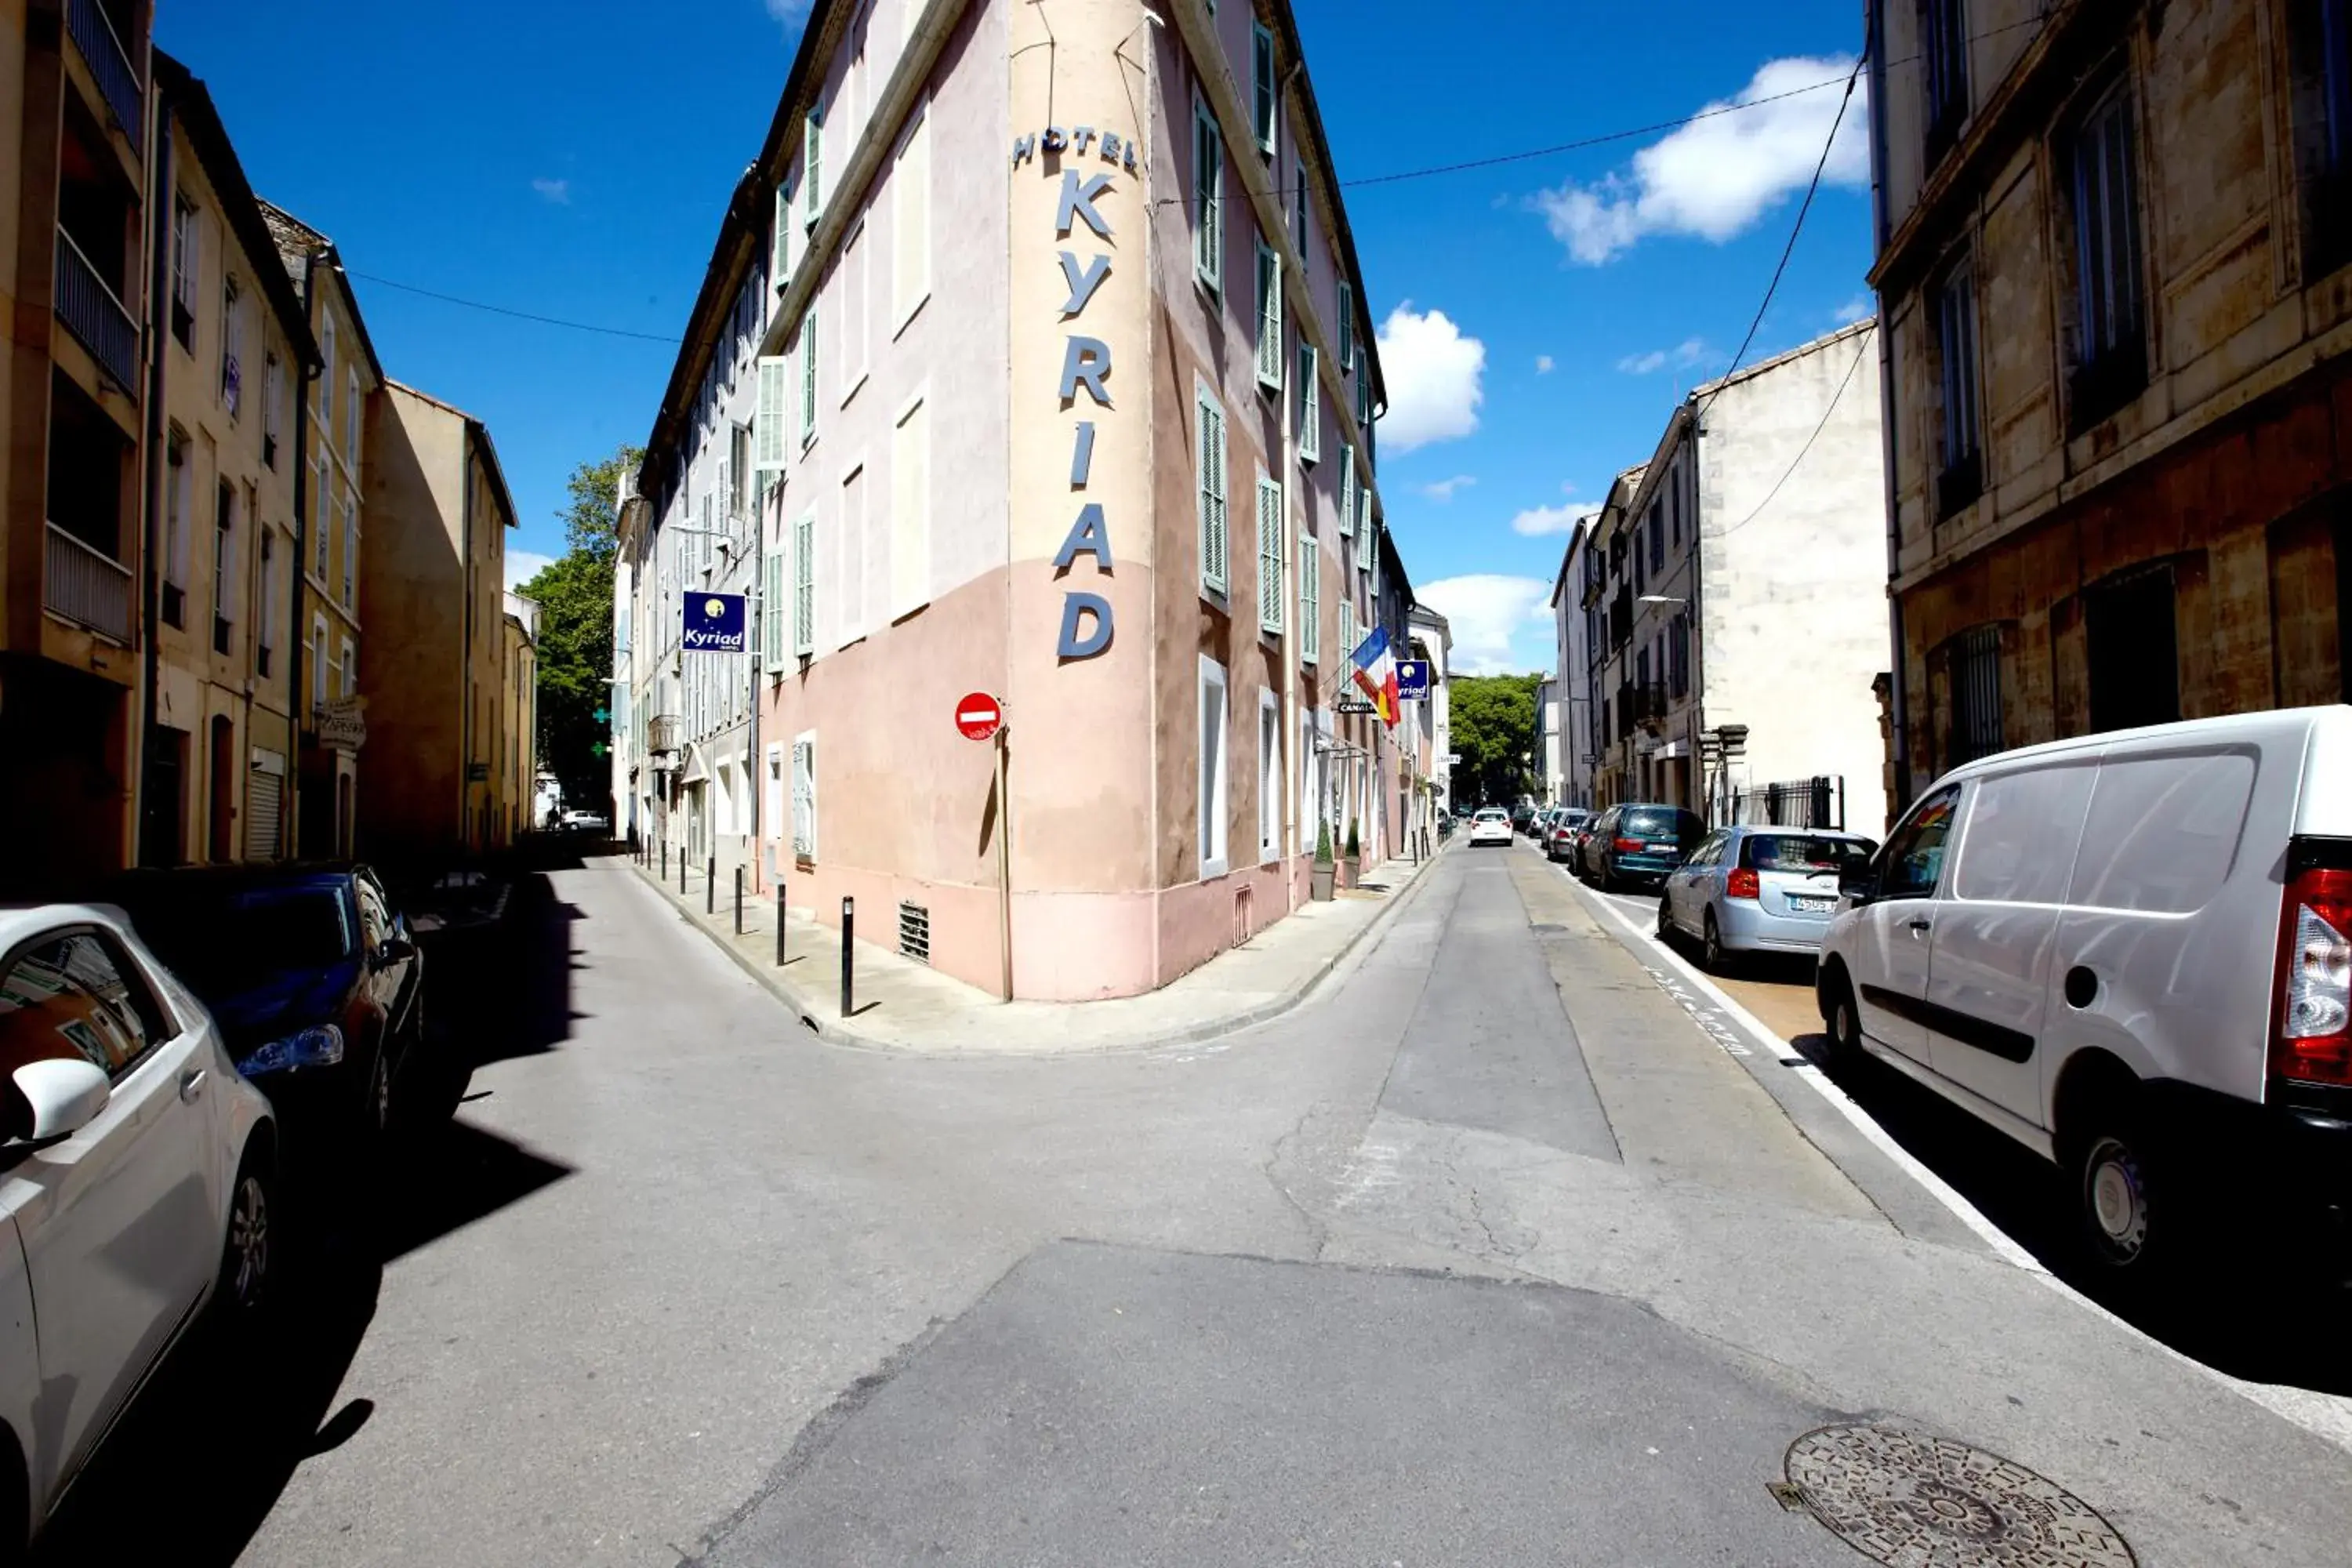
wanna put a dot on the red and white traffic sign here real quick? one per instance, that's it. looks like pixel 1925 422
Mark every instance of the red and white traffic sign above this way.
pixel 979 716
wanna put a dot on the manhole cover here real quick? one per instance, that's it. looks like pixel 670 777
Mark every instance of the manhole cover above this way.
pixel 1927 1502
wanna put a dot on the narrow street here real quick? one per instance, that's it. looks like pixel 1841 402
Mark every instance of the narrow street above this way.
pixel 1491 1252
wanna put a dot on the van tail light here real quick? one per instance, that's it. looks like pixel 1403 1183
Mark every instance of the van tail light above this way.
pixel 1743 884
pixel 2314 979
pixel 1630 846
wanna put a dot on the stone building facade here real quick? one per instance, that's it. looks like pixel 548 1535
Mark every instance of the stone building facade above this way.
pixel 2113 241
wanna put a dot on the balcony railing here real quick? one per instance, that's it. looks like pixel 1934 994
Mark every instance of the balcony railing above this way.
pixel 88 587
pixel 109 62
pixel 91 313
pixel 661 732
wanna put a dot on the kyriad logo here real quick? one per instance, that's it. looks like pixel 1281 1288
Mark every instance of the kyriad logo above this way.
pixel 714 623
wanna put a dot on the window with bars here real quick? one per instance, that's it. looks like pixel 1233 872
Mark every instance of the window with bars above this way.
pixel 1976 714
pixel 1270 549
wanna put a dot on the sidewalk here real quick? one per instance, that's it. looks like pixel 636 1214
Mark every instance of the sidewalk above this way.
pixel 900 1005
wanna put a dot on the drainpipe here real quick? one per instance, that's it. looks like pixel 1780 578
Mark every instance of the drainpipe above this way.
pixel 465 639
pixel 297 638
pixel 159 268
pixel 1898 696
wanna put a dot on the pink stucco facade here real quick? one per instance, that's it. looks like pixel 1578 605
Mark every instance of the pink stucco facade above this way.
pixel 967 555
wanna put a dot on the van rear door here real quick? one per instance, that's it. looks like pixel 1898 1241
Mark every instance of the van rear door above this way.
pixel 1989 980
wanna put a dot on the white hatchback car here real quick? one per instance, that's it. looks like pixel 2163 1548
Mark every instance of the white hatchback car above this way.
pixel 136 1180
pixel 1491 825
pixel 2131 952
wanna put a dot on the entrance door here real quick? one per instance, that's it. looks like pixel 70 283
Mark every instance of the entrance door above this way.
pixel 220 793
pixel 164 810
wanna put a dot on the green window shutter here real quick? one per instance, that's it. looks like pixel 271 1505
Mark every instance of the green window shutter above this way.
pixel 780 265
pixel 1262 83
pixel 1347 492
pixel 1310 601
pixel 771 611
pixel 804 585
pixel 1213 496
pixel 811 167
pixel 1208 198
pixel 1310 405
pixel 1346 648
pixel 1347 330
pixel 768 416
pixel 805 799
pixel 1270 595
pixel 1269 317
pixel 808 375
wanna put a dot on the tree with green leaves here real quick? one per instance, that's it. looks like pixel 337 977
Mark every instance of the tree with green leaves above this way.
pixel 575 594
pixel 1491 725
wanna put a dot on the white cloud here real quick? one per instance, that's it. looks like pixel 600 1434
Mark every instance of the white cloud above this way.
pixel 1488 613
pixel 1537 521
pixel 1713 178
pixel 1543 364
pixel 1432 373
pixel 1855 309
pixel 1443 490
pixel 556 191
pixel 1686 353
pixel 789 11
pixel 522 565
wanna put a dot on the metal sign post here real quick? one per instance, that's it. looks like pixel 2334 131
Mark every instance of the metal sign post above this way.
pixel 979 717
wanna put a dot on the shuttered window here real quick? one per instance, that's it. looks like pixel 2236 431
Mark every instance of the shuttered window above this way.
pixel 1212 440
pixel 768 416
pixel 780 263
pixel 808 375
pixel 1310 601
pixel 804 585
pixel 811 167
pixel 1310 405
pixel 1263 97
pixel 1347 330
pixel 1347 492
pixel 1347 627
pixel 771 611
pixel 804 797
pixel 1270 595
pixel 1269 318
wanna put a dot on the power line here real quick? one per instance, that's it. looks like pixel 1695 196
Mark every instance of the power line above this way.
pixel 1861 347
pixel 518 315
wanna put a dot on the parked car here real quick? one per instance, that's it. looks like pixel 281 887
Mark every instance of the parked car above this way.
pixel 137 1183
pixel 1560 838
pixel 1523 817
pixel 587 822
pixel 1759 890
pixel 1639 842
pixel 1492 825
pixel 2131 952
pixel 315 980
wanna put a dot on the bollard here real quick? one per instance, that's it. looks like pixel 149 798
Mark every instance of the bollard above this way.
pixel 681 871
pixel 779 924
pixel 739 901
pixel 710 886
pixel 665 855
pixel 848 935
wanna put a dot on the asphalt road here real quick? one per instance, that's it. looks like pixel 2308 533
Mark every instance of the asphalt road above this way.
pixel 1507 1247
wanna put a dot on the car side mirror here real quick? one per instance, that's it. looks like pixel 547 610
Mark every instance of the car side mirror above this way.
pixel 1859 883
pixel 61 1095
pixel 393 950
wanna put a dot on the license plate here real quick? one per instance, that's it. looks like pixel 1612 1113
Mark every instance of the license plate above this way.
pixel 1812 906
pixel 1663 849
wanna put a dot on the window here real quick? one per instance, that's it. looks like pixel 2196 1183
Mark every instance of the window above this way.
pixel 1347 330
pixel 1347 492
pixel 1270 550
pixel 1299 214
pixel 812 166
pixel 2019 846
pixel 232 368
pixel 350 667
pixel 910 509
pixel 187 262
pixel 352 419
pixel 1310 600
pixel 780 250
pixel 1913 859
pixel 1976 726
pixel 737 483
pixel 325 377
pixel 911 224
pixel 808 377
pixel 1962 476
pixel 2321 36
pixel 1346 648
pixel 849 559
pixel 1678 654
pixel 273 397
pixel 1210 436
pixel 1269 776
pixel 1943 44
pixel 224 566
pixel 804 795
pixel 771 611
pixel 1212 824
pixel 1657 535
pixel 1310 407
pixel 768 416
pixel 1263 97
pixel 74 986
pixel 804 585
pixel 852 342
pixel 1269 318
pixel 266 617
pixel 1675 507
pixel 1208 198
pixel 318 662
pixel 2134 666
pixel 319 519
pixel 179 501
pixel 2110 350
pixel 350 549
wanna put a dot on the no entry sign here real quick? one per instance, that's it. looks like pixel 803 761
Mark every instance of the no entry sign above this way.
pixel 978 716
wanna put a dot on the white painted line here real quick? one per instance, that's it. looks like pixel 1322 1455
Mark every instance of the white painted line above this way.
pixel 2324 1415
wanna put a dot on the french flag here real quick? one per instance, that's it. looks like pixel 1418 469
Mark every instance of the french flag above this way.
pixel 1376 675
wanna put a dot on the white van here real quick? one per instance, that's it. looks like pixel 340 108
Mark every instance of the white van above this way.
pixel 2128 951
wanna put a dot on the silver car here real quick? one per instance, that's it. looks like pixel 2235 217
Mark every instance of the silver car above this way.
pixel 1753 888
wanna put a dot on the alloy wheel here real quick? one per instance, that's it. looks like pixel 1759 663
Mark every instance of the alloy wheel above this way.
pixel 1711 956
pixel 248 1242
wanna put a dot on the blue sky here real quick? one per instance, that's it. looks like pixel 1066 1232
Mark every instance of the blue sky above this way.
pixel 1539 318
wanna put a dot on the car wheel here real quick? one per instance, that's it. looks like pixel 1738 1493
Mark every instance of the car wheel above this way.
pixel 1712 955
pixel 376 1114
pixel 1609 882
pixel 1845 1026
pixel 248 1252
pixel 2120 1195
pixel 1666 919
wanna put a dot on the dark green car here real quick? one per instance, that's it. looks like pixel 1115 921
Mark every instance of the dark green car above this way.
pixel 1639 844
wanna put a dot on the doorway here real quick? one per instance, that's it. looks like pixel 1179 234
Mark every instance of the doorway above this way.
pixel 220 793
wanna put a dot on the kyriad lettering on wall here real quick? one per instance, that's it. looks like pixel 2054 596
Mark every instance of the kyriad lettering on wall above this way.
pixel 1087 625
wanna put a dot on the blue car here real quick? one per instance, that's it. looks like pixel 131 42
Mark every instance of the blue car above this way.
pixel 1639 844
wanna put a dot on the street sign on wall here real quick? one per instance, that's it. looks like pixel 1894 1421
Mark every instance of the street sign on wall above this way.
pixel 1413 678
pixel 715 623
pixel 978 716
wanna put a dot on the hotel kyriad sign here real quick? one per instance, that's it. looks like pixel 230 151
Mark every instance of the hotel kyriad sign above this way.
pixel 1086 625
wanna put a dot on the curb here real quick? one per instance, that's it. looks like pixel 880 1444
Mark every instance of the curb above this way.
pixel 835 1034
